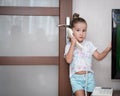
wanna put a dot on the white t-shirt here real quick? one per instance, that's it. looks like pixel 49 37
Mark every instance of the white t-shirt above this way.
pixel 82 58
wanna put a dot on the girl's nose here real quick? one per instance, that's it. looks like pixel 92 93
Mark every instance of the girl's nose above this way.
pixel 81 32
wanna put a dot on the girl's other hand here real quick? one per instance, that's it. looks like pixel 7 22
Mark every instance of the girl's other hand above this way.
pixel 109 47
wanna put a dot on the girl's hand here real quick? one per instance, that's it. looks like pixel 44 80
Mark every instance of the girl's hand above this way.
pixel 100 56
pixel 109 47
pixel 73 40
pixel 69 55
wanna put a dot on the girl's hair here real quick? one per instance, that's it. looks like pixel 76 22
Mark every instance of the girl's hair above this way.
pixel 76 19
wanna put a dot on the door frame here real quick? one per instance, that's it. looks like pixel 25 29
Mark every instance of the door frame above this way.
pixel 64 83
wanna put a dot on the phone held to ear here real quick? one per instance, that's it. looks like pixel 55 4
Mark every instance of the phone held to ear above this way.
pixel 70 34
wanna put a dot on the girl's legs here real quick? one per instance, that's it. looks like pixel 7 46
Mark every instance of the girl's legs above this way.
pixel 82 93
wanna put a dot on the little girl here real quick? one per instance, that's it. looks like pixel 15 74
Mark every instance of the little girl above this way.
pixel 80 60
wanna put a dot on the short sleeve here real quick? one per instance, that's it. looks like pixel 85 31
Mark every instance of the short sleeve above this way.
pixel 92 48
pixel 67 48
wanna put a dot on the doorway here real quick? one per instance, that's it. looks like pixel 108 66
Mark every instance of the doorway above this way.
pixel 33 59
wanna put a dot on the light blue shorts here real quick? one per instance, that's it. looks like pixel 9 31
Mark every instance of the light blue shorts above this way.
pixel 78 82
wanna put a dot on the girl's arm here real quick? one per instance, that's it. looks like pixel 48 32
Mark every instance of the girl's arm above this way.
pixel 100 56
pixel 69 55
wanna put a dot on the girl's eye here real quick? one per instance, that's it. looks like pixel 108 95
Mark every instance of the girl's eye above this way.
pixel 78 30
pixel 84 30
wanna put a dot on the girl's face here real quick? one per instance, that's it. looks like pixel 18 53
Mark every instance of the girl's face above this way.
pixel 79 31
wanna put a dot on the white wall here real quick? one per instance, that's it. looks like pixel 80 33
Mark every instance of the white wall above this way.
pixel 98 16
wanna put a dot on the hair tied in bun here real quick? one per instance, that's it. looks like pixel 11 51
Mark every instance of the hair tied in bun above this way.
pixel 75 15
